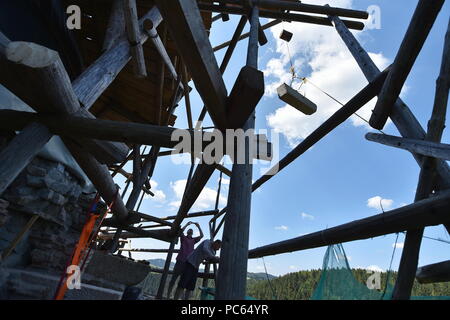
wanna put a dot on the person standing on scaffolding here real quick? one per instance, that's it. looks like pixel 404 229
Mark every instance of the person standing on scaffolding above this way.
pixel 187 243
pixel 205 252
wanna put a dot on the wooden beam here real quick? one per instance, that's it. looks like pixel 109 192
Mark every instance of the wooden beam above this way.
pixel 37 76
pixel 116 25
pixel 199 179
pixel 75 126
pixel 152 218
pixel 428 212
pixel 187 30
pixel 291 17
pixel 246 35
pixel 194 214
pixel 134 37
pixel 357 102
pixel 423 147
pixel 303 7
pixel 402 117
pixel 15 156
pixel 91 84
pixel 160 47
pixel 149 250
pixel 245 95
pixel 224 170
pixel 433 273
pixel 418 30
pixel 100 178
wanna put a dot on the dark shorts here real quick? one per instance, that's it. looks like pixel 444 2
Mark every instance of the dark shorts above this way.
pixel 179 268
pixel 189 277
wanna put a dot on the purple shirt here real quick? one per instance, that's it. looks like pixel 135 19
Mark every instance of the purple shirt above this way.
pixel 186 247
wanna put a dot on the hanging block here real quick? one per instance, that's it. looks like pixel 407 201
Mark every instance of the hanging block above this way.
pixel 286 35
pixel 296 100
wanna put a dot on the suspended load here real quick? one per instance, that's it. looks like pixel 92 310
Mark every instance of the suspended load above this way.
pixel 286 35
pixel 296 100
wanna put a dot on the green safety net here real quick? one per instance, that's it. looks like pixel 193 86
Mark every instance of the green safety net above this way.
pixel 337 281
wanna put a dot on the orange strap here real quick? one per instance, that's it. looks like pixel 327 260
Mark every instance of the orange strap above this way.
pixel 80 248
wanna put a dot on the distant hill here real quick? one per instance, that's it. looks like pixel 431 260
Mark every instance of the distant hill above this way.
pixel 159 263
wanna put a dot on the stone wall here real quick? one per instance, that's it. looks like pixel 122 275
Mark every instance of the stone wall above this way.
pixel 47 189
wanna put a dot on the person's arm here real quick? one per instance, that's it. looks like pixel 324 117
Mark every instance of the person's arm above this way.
pixel 184 228
pixel 210 255
pixel 200 237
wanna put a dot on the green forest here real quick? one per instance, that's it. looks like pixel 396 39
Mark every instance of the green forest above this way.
pixel 302 284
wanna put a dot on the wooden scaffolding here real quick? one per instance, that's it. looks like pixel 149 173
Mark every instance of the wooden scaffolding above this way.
pixel 141 56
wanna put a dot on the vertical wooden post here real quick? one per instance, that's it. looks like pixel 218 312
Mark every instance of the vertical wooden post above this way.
pixel 162 283
pixel 410 255
pixel 232 274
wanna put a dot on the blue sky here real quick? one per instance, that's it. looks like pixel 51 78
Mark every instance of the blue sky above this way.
pixel 343 177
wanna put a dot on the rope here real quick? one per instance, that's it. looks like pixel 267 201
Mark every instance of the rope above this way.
pixel 390 268
pixel 270 283
pixel 304 80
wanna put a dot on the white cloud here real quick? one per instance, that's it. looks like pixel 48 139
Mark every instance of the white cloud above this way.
pixel 284 228
pixel 293 267
pixel 206 200
pixel 374 268
pixel 307 216
pixel 319 54
pixel 379 203
pixel 160 196
pixel 398 245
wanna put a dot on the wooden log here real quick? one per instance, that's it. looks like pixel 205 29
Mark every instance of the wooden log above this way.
pixel 232 274
pixel 152 218
pixel 224 170
pixel 426 185
pixel 428 212
pixel 199 275
pixel 357 102
pixel 98 76
pixel 15 157
pixel 159 46
pixel 245 95
pixel 402 117
pixel 423 147
pixel 418 30
pixel 433 273
pixel 199 179
pixel 100 178
pixel 296 100
pixel 194 214
pixel 149 250
pixel 226 59
pixel 116 25
pixel 245 35
pixel 162 234
pixel 303 7
pixel 134 37
pixel 37 76
pixel 187 30
pixel 291 17
pixel 165 272
pixel 65 125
